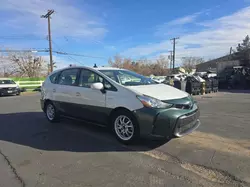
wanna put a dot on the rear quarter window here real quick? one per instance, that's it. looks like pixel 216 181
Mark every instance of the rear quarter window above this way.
pixel 53 78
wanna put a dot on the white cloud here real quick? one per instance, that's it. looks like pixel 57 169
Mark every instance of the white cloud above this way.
pixel 184 20
pixel 68 20
pixel 176 26
pixel 214 40
pixel 61 62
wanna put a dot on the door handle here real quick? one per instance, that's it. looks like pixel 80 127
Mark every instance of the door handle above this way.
pixel 78 94
pixel 54 90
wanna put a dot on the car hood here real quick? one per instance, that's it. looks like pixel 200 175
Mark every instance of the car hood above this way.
pixel 8 85
pixel 159 91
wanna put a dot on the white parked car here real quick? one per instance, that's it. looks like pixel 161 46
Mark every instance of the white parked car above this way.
pixel 159 80
pixel 134 108
pixel 8 87
pixel 177 77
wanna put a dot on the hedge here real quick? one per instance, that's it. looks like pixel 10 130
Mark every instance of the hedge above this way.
pixel 28 78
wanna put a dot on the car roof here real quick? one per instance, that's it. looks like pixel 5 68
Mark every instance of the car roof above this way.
pixel 88 67
pixel 4 78
pixel 108 68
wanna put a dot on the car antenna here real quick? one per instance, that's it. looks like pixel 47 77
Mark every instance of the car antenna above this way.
pixel 95 66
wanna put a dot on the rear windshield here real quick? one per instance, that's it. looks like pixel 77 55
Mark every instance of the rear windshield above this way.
pixel 7 82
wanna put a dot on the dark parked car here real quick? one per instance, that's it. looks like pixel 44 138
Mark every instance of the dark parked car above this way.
pixel 8 87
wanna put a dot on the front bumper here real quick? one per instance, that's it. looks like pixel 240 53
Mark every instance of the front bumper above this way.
pixel 42 104
pixel 170 122
pixel 9 91
pixel 187 124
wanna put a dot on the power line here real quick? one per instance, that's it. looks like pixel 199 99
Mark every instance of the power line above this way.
pixel 35 50
pixel 48 16
pixel 24 50
pixel 81 55
pixel 70 57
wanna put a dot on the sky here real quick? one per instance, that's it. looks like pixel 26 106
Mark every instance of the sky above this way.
pixel 138 29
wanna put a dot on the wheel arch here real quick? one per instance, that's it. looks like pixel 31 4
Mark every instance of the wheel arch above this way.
pixel 47 101
pixel 132 117
pixel 117 109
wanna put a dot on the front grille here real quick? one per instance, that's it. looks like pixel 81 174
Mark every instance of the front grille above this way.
pixel 187 123
pixel 9 89
pixel 186 104
pixel 188 119
pixel 183 106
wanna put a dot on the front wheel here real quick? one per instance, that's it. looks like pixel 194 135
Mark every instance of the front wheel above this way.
pixel 125 127
pixel 51 112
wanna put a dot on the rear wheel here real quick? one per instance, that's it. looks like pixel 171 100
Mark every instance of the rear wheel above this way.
pixel 51 112
pixel 125 127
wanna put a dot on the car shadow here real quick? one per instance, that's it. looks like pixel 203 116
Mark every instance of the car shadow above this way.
pixel 32 129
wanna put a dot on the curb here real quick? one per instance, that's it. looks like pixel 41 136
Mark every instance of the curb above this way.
pixel 28 93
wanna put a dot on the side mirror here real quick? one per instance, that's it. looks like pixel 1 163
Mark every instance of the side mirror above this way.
pixel 97 86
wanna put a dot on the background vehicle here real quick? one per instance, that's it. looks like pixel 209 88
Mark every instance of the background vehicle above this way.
pixel 131 108
pixel 8 87
pixel 158 80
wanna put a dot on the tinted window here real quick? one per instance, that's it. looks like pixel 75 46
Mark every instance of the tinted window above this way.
pixel 110 74
pixel 7 82
pixel 68 77
pixel 53 78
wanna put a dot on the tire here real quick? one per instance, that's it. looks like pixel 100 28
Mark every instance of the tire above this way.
pixel 18 93
pixel 118 127
pixel 51 112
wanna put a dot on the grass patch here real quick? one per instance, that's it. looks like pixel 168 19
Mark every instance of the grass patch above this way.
pixel 28 83
pixel 29 88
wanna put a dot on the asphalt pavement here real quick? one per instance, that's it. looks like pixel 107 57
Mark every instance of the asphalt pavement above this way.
pixel 34 152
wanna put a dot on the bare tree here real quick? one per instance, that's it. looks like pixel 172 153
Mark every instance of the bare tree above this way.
pixel 162 65
pixel 6 68
pixel 117 62
pixel 141 66
pixel 27 64
pixel 189 63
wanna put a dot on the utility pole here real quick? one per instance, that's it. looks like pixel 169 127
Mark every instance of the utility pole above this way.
pixel 48 16
pixel 171 59
pixel 174 41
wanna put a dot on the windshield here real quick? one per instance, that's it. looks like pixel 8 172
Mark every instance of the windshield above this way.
pixel 128 78
pixel 7 82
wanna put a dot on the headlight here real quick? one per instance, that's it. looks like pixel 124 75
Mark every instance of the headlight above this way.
pixel 192 99
pixel 151 102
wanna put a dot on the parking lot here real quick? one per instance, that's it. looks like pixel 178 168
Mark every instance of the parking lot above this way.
pixel 34 152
